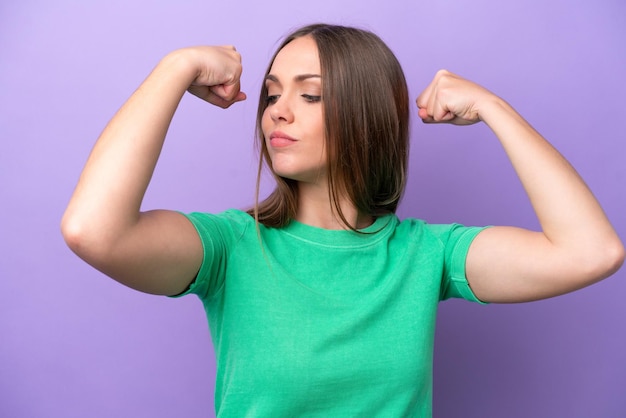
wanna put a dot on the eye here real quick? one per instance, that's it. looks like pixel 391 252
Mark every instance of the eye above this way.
pixel 312 99
pixel 272 99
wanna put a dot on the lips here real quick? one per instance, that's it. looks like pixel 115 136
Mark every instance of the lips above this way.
pixel 280 140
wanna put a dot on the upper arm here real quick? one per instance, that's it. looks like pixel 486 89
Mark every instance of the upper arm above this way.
pixel 160 254
pixel 507 264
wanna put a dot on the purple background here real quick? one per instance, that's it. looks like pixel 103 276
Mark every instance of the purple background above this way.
pixel 74 343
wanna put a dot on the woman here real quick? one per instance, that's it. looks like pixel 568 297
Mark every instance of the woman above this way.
pixel 320 301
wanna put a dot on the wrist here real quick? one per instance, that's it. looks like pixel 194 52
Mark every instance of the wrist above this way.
pixel 493 108
pixel 180 65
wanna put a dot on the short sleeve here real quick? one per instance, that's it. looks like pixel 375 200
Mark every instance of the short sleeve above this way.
pixel 219 234
pixel 456 240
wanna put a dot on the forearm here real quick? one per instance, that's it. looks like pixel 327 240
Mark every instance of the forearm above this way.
pixel 576 246
pixel 117 173
pixel 158 251
pixel 570 216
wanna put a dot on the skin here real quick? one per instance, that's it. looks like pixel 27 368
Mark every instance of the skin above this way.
pixel 577 245
pixel 159 251
pixel 295 109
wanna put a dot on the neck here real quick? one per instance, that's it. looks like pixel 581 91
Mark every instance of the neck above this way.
pixel 316 209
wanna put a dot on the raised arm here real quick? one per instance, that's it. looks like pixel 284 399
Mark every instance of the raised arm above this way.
pixel 577 245
pixel 158 251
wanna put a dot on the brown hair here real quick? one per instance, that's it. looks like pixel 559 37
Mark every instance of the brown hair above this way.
pixel 366 119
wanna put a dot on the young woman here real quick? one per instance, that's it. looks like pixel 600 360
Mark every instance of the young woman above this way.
pixel 319 300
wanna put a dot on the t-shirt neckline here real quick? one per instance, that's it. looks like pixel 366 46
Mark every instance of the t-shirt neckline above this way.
pixel 341 237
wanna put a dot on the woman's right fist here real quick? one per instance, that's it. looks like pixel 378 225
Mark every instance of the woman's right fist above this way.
pixel 218 71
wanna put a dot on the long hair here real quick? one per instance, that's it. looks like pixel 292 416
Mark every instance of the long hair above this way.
pixel 366 119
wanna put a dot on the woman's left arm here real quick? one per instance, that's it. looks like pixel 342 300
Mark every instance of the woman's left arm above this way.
pixel 577 245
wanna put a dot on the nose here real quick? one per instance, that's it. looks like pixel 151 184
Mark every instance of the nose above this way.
pixel 281 110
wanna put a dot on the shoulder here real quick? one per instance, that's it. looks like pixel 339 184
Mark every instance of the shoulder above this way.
pixel 446 235
pixel 230 224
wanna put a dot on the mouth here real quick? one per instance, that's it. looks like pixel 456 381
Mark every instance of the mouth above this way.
pixel 280 139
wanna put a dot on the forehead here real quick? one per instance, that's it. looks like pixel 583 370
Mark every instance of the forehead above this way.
pixel 297 57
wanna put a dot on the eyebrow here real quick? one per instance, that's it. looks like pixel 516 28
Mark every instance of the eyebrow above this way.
pixel 299 78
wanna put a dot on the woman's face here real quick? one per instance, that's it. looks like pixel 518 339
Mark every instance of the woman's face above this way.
pixel 292 123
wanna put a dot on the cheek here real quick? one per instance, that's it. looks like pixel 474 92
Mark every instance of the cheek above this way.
pixel 266 126
pixel 265 122
pixel 318 120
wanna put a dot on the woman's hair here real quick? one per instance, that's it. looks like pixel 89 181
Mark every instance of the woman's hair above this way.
pixel 366 120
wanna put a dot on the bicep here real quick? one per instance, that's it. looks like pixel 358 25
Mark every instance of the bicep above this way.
pixel 508 264
pixel 160 254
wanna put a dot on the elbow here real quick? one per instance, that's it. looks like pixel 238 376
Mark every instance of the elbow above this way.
pixel 74 234
pixel 608 260
pixel 589 265
pixel 616 256
pixel 81 237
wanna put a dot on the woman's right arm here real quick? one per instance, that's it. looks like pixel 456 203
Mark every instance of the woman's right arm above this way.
pixel 158 251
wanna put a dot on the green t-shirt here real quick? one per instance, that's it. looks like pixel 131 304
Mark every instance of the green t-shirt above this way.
pixel 326 323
